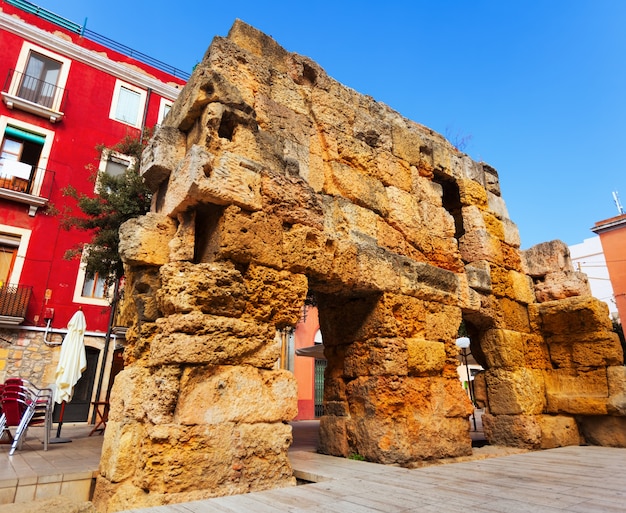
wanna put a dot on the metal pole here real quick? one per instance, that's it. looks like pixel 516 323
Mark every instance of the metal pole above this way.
pixel 470 387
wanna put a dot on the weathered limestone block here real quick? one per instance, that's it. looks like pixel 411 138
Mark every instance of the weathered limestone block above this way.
pixel 228 180
pixel 515 392
pixel 213 340
pixel 512 284
pixel 603 430
pixel 514 316
pixel 479 276
pixel 213 395
pixel 511 233
pixel 119 459
pixel 308 251
pixel 536 353
pixel 363 190
pixel 593 350
pixel 162 155
pixel 546 258
pixel 558 431
pixel 617 390
pixel 274 297
pixel 523 431
pixel 497 205
pixel 426 358
pixel 248 237
pixel 140 298
pixel 562 284
pixel 480 245
pixel 144 240
pixel 126 395
pixel 386 315
pixel 288 197
pixel 333 436
pixel 472 193
pixel 576 393
pixel 429 418
pixel 377 356
pixel 504 348
pixel 182 246
pixel 177 458
pixel 468 299
pixel 214 288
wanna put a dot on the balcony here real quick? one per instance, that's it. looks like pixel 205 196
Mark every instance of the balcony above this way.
pixel 32 95
pixel 14 303
pixel 22 183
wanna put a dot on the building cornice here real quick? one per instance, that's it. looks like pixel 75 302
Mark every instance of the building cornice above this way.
pixel 609 224
pixel 89 57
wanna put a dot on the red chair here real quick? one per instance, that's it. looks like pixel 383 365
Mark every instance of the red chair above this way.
pixel 25 405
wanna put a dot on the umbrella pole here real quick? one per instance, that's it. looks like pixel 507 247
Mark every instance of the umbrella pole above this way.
pixel 58 439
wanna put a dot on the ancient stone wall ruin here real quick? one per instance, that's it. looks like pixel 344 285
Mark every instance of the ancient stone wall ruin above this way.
pixel 273 182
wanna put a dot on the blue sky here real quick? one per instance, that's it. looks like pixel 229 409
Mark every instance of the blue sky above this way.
pixel 537 89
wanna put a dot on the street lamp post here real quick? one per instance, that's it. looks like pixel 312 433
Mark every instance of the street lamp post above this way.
pixel 463 344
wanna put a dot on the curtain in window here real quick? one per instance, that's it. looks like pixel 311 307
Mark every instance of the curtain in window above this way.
pixel 40 79
pixel 127 109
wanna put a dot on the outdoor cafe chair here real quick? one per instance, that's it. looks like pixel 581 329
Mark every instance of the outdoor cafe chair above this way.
pixel 25 405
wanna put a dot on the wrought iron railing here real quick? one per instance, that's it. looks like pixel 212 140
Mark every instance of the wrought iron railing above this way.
pixel 39 183
pixel 97 38
pixel 14 300
pixel 34 90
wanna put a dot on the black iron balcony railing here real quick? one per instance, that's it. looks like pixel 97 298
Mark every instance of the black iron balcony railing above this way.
pixel 97 38
pixel 14 300
pixel 38 182
pixel 34 90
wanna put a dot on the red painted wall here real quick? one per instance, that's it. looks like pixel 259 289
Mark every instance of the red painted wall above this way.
pixel 86 124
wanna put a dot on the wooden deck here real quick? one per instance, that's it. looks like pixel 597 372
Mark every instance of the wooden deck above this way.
pixel 568 479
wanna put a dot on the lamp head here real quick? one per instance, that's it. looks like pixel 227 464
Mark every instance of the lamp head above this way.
pixel 463 342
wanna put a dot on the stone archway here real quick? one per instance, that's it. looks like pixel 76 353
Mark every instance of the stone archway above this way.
pixel 271 179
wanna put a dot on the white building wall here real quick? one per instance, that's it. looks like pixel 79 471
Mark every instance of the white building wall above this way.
pixel 588 257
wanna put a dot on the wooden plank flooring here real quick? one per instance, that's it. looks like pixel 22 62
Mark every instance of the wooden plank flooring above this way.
pixel 568 479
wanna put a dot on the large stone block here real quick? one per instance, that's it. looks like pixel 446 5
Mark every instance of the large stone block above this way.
pixel 213 288
pixel 558 431
pixel 377 356
pixel 274 297
pixel 575 392
pixel 617 390
pixel 426 358
pixel 523 431
pixel 504 348
pixel 144 240
pixel 247 238
pixel 547 257
pixel 604 430
pixel 562 284
pixel 213 395
pixel 515 392
pixel 119 459
pixel 198 338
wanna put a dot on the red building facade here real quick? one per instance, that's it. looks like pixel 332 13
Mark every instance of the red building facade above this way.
pixel 64 93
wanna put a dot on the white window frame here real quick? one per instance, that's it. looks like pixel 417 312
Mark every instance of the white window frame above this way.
pixel 119 84
pixel 24 236
pixel 20 66
pixel 40 172
pixel 164 104
pixel 105 157
pixel 80 283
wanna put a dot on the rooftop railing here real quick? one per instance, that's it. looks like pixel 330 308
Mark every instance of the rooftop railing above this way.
pixel 97 38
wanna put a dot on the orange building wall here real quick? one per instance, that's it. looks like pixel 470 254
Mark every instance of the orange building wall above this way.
pixel 612 234
pixel 304 366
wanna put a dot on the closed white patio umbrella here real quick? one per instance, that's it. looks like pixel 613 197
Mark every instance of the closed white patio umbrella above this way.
pixel 72 364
